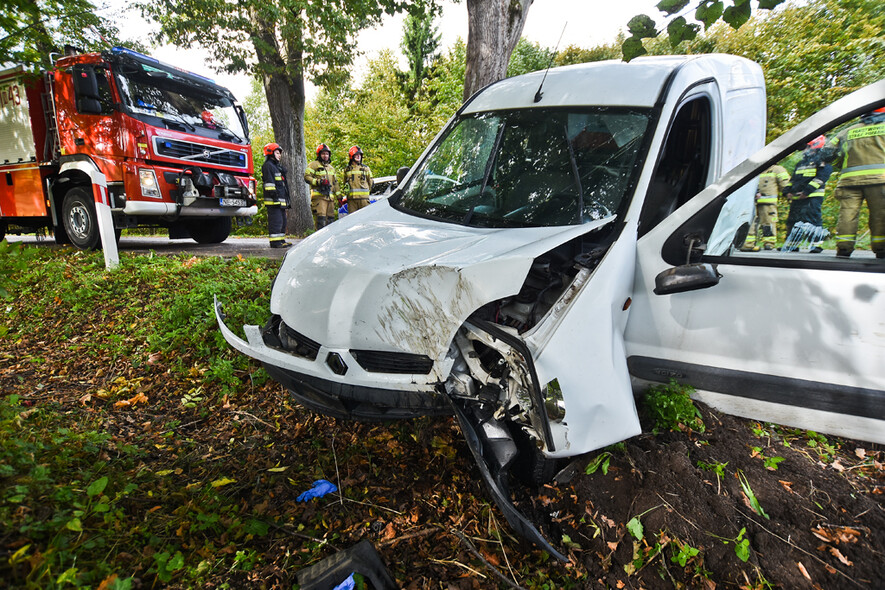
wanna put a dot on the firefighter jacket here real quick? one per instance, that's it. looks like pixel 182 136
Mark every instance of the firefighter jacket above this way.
pixel 771 183
pixel 810 176
pixel 315 175
pixel 860 153
pixel 358 181
pixel 276 188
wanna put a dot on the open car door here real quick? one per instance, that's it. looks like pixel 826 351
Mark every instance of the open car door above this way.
pixel 793 337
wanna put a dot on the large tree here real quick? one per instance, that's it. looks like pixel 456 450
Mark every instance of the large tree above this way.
pixel 32 29
pixel 494 28
pixel 283 42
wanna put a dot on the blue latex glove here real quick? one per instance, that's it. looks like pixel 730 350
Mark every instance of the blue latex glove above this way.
pixel 348 584
pixel 320 488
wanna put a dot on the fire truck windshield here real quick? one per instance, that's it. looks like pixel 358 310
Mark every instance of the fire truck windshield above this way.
pixel 180 103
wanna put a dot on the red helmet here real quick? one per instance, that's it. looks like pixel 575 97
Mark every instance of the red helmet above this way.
pixel 323 148
pixel 270 148
pixel 354 151
pixel 818 142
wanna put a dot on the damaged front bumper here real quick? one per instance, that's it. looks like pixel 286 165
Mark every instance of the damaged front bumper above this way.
pixel 481 415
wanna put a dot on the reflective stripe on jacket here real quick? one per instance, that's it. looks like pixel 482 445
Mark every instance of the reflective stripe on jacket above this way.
pixel 358 181
pixel 276 187
pixel 862 151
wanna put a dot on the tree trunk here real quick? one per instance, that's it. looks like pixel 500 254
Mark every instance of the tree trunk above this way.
pixel 285 101
pixel 494 28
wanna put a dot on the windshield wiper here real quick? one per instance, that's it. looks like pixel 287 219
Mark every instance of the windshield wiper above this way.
pixel 487 173
pixel 571 157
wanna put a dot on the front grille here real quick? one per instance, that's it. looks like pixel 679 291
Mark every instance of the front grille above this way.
pixel 375 361
pixel 198 153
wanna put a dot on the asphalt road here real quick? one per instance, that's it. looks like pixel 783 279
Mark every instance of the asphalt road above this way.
pixel 163 246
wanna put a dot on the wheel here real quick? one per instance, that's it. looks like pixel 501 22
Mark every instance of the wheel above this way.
pixel 531 466
pixel 79 219
pixel 209 231
pixel 2 230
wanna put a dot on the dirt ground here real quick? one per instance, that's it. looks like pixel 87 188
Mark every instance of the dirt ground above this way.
pixel 823 524
pixel 413 491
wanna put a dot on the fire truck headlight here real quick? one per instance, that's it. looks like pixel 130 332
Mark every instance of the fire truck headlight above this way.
pixel 149 186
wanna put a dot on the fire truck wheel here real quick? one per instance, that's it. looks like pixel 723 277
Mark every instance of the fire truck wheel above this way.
pixel 79 219
pixel 209 231
pixel 2 230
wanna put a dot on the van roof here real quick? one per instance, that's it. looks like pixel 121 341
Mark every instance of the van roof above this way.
pixel 607 83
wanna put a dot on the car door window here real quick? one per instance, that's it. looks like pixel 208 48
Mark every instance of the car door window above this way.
pixel 683 168
pixel 823 203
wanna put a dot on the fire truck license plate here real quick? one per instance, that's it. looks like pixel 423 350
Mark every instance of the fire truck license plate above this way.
pixel 233 202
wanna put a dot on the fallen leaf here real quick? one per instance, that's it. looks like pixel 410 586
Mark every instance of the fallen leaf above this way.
pixel 861 453
pixel 837 465
pixel 84 400
pixel 803 570
pixel 838 555
pixel 787 485
pixel 389 532
pixel 222 482
pixel 620 584
pixel 613 545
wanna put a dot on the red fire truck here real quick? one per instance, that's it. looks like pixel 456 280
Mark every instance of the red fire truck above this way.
pixel 157 145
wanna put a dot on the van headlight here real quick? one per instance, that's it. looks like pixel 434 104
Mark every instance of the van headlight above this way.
pixel 148 181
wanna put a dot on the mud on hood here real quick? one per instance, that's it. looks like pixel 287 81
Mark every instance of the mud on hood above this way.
pixel 384 280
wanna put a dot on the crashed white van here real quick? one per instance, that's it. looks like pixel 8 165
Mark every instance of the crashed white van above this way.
pixel 523 275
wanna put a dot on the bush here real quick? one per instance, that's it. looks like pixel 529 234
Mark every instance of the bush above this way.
pixel 671 408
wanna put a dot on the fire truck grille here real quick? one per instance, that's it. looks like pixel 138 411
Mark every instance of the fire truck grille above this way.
pixel 198 153
pixel 375 361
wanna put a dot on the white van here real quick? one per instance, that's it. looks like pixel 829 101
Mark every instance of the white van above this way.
pixel 524 274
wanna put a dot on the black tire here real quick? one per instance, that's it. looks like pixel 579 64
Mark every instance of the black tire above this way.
pixel 2 230
pixel 209 231
pixel 530 466
pixel 79 219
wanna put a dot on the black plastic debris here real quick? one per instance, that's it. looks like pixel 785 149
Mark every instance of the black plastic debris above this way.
pixel 361 558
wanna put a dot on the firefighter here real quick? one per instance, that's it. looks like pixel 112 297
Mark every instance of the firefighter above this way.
pixel 806 192
pixel 357 180
pixel 859 152
pixel 771 185
pixel 323 187
pixel 276 195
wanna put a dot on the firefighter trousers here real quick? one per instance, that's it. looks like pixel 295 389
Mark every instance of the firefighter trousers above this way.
pixel 850 200
pixel 764 222
pixel 276 222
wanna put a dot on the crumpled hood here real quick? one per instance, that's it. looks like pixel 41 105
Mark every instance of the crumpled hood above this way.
pixel 384 280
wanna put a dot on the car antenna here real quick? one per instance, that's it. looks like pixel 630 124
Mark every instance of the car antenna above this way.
pixel 539 94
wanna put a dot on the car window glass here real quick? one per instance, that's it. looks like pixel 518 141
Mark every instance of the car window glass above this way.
pixel 825 201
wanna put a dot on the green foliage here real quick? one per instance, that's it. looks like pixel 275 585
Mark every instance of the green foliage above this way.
pixel 16 258
pixel 58 491
pixel 420 43
pixel 811 53
pixel 671 408
pixel 30 30
pixel 529 57
pixel 600 462
pixel 706 12
pixel 741 544
pixel 717 468
pixel 751 497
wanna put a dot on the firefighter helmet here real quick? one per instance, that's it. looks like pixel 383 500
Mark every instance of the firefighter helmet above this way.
pixel 818 142
pixel 353 151
pixel 323 148
pixel 270 148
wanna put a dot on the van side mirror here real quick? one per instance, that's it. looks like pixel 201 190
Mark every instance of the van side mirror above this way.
pixel 687 277
pixel 401 174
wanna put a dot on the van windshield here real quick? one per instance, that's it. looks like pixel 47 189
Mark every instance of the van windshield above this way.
pixel 532 167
